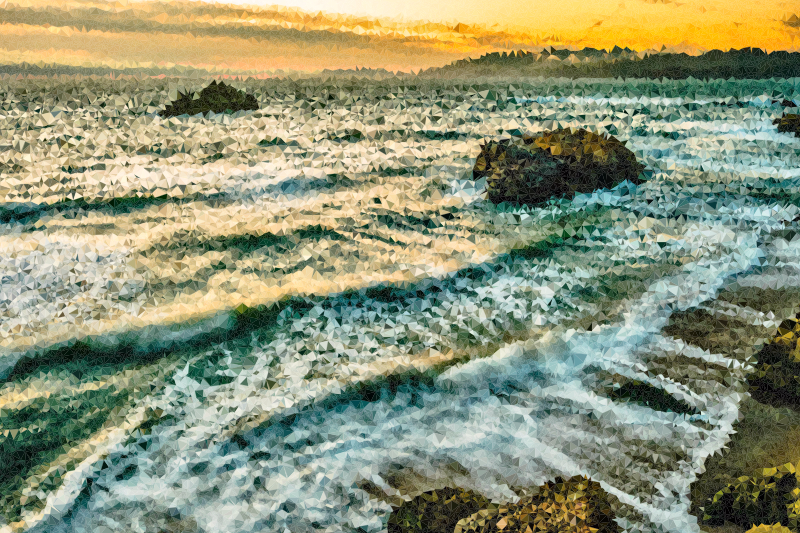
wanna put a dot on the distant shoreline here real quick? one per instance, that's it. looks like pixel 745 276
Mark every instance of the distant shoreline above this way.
pixel 747 63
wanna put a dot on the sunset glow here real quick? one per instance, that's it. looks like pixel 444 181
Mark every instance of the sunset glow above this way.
pixel 398 36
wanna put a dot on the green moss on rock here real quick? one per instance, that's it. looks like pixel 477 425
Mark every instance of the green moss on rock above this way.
pixel 788 124
pixel 771 497
pixel 575 505
pixel 743 496
pixel 776 376
pixel 435 511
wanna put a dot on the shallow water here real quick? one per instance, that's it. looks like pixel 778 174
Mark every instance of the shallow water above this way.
pixel 290 337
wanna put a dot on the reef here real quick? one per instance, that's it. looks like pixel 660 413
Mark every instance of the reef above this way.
pixel 558 163
pixel 216 97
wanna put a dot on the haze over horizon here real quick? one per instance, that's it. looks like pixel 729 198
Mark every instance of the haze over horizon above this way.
pixel 313 35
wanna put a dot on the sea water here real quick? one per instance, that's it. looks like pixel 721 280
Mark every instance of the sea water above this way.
pixel 282 326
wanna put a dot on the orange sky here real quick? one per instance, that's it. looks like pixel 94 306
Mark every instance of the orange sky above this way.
pixel 400 35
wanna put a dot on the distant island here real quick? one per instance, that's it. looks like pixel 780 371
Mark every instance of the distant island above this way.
pixel 747 63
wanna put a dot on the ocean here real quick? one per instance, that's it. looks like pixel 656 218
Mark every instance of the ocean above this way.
pixel 290 319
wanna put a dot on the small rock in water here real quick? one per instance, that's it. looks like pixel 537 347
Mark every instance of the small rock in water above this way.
pixel 788 124
pixel 553 164
pixel 217 97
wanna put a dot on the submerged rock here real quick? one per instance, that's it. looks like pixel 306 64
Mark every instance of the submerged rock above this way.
pixel 575 505
pixel 217 97
pixel 559 163
pixel 788 124
pixel 349 135
pixel 623 388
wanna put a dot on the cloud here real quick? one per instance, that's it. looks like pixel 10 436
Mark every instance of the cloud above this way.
pixel 249 40
pixel 246 38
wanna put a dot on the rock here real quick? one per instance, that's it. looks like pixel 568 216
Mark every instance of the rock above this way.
pixel 788 124
pixel 754 482
pixel 775 378
pixel 435 511
pixel 559 163
pixel 349 135
pixel 577 505
pixel 774 528
pixel 771 497
pixel 623 388
pixel 217 97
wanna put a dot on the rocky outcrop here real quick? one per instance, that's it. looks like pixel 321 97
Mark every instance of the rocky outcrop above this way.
pixel 216 97
pixel 771 497
pixel 554 164
pixel 575 505
pixel 754 481
pixel 435 511
pixel 776 375
pixel 788 124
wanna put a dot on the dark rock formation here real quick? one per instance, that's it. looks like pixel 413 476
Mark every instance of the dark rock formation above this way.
pixel 575 505
pixel 747 63
pixel 754 481
pixel 435 511
pixel 776 376
pixel 622 388
pixel 217 97
pixel 769 498
pixel 788 124
pixel 560 163
pixel 349 135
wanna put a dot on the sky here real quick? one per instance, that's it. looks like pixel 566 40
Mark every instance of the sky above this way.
pixel 559 15
pixel 398 35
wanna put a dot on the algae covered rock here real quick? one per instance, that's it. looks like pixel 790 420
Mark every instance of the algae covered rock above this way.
pixel 776 376
pixel 743 486
pixel 769 528
pixel 216 97
pixel 772 497
pixel 575 505
pixel 558 163
pixel 435 511
pixel 788 124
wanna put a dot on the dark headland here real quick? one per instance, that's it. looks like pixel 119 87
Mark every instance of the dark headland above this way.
pixel 747 63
